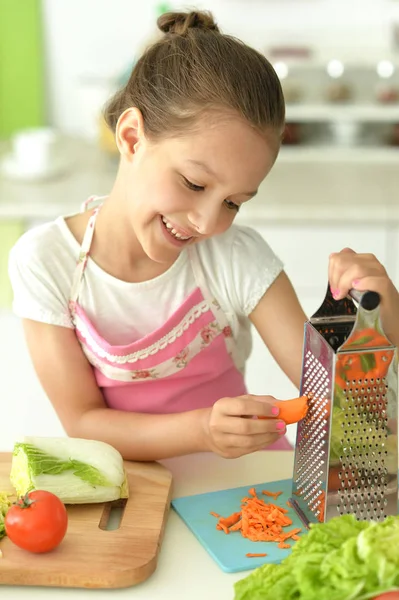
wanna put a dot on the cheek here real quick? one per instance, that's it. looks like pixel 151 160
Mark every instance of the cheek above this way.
pixel 225 219
pixel 170 196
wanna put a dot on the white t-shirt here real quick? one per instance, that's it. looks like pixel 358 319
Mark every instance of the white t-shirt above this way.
pixel 238 265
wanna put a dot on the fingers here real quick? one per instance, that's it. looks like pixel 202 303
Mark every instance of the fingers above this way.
pixel 238 444
pixel 250 427
pixel 335 269
pixel 234 428
pixel 250 406
pixel 349 270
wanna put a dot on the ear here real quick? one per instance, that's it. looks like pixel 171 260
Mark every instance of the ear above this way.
pixel 129 132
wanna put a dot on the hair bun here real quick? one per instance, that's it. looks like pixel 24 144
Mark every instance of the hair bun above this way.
pixel 180 22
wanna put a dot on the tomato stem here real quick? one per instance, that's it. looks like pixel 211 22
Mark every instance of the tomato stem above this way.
pixel 24 501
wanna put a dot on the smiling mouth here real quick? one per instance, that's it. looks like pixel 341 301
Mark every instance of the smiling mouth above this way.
pixel 175 234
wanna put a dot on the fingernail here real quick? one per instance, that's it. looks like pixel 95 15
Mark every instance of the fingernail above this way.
pixel 355 282
pixel 275 411
pixel 336 294
pixel 280 425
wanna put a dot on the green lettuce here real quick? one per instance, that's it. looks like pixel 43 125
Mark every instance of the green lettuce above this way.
pixel 341 443
pixel 343 559
pixel 4 506
pixel 76 470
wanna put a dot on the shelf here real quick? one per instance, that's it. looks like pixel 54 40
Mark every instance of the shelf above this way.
pixel 319 63
pixel 352 155
pixel 315 113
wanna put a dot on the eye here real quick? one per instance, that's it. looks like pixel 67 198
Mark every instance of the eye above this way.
pixel 231 206
pixel 193 186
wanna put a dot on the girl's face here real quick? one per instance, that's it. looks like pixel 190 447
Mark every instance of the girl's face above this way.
pixel 182 190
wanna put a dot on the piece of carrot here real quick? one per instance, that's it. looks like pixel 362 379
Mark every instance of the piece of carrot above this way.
pixel 236 526
pixel 255 554
pixel 214 514
pixel 222 526
pixel 291 411
pixel 274 495
pixel 283 546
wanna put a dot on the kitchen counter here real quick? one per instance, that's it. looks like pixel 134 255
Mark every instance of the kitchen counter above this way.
pixel 296 192
pixel 184 567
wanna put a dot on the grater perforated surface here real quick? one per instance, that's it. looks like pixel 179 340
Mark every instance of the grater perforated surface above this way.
pixel 364 476
pixel 311 457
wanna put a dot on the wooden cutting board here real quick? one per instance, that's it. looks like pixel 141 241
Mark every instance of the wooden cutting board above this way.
pixel 90 555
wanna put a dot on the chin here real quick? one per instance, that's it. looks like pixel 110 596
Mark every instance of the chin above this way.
pixel 162 256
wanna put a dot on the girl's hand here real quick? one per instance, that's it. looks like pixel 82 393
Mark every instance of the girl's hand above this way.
pixel 231 428
pixel 363 272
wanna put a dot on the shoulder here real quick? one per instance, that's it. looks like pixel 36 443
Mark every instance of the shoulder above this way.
pixel 240 266
pixel 238 243
pixel 41 266
pixel 44 245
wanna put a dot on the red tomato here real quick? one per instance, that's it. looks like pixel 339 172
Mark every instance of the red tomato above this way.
pixel 37 522
pixel 388 596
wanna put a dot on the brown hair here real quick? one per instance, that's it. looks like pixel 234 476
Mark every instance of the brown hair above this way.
pixel 195 68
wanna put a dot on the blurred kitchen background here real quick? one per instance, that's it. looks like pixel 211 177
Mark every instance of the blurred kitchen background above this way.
pixel 335 183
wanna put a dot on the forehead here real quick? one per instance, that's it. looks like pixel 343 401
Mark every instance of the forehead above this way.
pixel 229 146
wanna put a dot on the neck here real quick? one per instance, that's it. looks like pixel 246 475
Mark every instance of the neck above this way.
pixel 115 247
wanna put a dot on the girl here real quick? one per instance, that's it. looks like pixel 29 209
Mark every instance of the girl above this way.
pixel 137 312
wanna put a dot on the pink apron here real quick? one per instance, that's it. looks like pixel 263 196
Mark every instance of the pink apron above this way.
pixel 187 363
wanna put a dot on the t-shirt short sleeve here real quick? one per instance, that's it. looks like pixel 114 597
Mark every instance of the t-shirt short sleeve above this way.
pixel 40 278
pixel 254 268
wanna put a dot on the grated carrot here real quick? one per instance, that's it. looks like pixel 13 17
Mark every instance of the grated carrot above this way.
pixel 214 514
pixel 255 555
pixel 260 521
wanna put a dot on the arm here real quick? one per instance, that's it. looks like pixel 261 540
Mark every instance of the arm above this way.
pixel 280 320
pixel 68 380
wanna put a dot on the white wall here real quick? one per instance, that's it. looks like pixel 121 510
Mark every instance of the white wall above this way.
pixel 95 40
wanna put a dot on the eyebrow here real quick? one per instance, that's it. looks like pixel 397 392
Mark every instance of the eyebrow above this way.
pixel 208 169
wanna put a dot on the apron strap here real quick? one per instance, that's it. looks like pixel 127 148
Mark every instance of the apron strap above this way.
pixel 91 200
pixel 82 258
pixel 214 305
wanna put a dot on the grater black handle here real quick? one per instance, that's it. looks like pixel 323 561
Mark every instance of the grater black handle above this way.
pixel 367 300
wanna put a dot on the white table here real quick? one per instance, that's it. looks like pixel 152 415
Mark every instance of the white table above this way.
pixel 185 570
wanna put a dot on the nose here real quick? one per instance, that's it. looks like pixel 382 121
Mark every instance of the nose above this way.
pixel 205 216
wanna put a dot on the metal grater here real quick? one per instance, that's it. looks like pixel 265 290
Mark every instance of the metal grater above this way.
pixel 346 455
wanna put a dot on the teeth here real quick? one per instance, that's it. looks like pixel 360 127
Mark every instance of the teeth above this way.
pixel 173 231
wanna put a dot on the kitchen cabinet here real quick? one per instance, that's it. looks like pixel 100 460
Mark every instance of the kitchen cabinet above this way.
pixel 23 401
pixel 305 249
pixel 393 252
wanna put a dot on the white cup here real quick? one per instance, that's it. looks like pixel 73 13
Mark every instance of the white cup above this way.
pixel 35 149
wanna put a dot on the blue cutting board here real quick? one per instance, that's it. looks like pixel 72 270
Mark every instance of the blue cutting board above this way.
pixel 229 550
